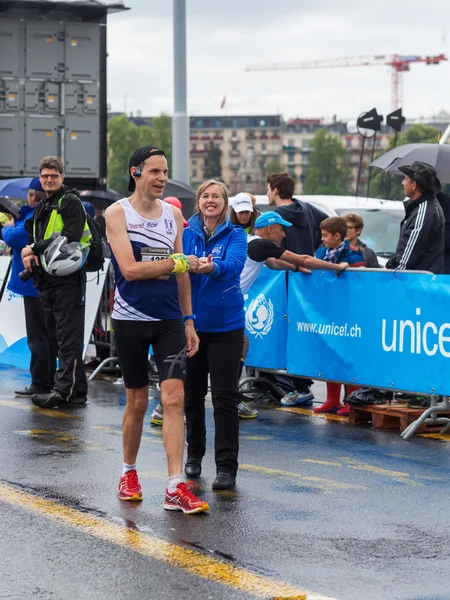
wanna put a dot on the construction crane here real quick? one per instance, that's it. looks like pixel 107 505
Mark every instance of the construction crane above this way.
pixel 397 62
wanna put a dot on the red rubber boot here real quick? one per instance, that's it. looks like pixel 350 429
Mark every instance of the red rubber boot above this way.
pixel 333 402
pixel 345 411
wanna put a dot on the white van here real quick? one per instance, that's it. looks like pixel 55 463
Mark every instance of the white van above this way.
pixel 381 218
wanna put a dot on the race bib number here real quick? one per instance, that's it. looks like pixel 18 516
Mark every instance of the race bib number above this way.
pixel 154 254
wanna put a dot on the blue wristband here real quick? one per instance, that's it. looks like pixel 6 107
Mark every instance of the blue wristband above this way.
pixel 188 317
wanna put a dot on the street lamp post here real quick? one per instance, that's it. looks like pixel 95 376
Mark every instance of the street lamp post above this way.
pixel 180 121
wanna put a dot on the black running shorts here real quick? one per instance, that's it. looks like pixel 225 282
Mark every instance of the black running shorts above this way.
pixel 133 339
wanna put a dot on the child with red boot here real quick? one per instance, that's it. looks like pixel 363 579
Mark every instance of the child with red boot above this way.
pixel 337 249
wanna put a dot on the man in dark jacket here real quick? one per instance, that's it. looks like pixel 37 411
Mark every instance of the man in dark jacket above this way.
pixel 302 238
pixel 422 234
pixel 62 298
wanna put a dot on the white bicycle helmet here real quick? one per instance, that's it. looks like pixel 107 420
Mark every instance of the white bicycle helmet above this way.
pixel 62 258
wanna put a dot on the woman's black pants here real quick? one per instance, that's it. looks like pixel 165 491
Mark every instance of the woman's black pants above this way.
pixel 219 356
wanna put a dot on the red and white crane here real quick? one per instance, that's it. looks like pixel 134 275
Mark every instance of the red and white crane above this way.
pixel 397 62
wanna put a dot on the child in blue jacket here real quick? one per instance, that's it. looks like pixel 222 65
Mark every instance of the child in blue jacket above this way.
pixel 337 249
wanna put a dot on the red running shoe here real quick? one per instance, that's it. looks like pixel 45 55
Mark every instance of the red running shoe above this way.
pixel 183 499
pixel 129 487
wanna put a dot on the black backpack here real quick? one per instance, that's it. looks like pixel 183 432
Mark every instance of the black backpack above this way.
pixel 96 257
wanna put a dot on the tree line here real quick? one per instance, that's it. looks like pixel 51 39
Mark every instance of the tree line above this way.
pixel 328 171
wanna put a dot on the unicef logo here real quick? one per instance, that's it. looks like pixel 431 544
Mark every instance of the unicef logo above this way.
pixel 259 316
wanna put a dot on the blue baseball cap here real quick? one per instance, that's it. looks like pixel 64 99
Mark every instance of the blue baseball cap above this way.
pixel 89 208
pixel 35 185
pixel 270 218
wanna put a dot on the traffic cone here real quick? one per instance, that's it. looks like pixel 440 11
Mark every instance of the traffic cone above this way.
pixel 333 402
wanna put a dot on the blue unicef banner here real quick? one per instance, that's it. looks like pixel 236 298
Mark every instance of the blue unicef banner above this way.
pixel 13 336
pixel 387 329
pixel 265 320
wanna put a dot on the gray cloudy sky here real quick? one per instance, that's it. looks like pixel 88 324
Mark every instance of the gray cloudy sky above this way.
pixel 223 37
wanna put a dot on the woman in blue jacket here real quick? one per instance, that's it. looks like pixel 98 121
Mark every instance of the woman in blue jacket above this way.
pixel 218 305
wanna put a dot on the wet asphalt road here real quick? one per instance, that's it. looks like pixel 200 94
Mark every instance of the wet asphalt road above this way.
pixel 341 511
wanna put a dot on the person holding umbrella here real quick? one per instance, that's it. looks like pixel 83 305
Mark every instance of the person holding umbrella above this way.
pixel 43 348
pixel 421 242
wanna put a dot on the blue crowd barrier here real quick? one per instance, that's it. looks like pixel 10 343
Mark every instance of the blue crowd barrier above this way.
pixel 266 320
pixel 387 329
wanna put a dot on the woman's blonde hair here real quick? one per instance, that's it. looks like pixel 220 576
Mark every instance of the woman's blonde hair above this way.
pixel 223 190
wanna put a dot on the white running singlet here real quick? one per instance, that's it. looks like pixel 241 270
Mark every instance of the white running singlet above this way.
pixel 147 299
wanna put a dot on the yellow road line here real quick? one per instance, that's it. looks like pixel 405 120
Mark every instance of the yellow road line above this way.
pixel 150 546
pixel 54 414
pixel 321 462
pixel 311 413
pixel 46 433
pixel 444 437
pixel 58 438
pixel 399 476
pixel 412 459
pixel 119 432
pixel 153 431
pixel 315 481
pixel 356 464
pixel 430 478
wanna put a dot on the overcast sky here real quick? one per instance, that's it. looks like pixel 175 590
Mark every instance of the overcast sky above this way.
pixel 223 37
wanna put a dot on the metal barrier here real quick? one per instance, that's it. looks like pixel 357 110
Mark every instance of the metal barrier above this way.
pixel 439 404
pixel 102 336
pixel 430 417
pixel 4 280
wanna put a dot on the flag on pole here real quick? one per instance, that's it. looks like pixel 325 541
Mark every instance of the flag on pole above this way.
pixel 222 104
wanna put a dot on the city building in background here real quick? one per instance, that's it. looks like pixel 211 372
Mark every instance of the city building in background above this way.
pixel 249 147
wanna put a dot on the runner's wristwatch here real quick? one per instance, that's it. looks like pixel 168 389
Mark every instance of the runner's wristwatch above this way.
pixel 188 317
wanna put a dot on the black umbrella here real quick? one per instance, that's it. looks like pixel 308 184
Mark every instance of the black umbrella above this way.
pixel 8 206
pixel 436 155
pixel 184 193
pixel 101 199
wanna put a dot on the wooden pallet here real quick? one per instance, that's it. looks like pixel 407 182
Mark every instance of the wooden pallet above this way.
pixel 389 416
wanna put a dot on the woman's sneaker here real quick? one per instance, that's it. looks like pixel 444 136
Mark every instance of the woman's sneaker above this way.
pixel 245 412
pixel 157 416
pixel 298 399
pixel 419 402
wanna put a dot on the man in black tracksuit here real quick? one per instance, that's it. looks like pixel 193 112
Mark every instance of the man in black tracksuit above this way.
pixel 422 234
pixel 62 298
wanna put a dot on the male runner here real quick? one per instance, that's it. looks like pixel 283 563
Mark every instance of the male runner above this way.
pixel 152 283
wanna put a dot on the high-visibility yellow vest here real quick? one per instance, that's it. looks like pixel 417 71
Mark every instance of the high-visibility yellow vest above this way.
pixel 55 226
